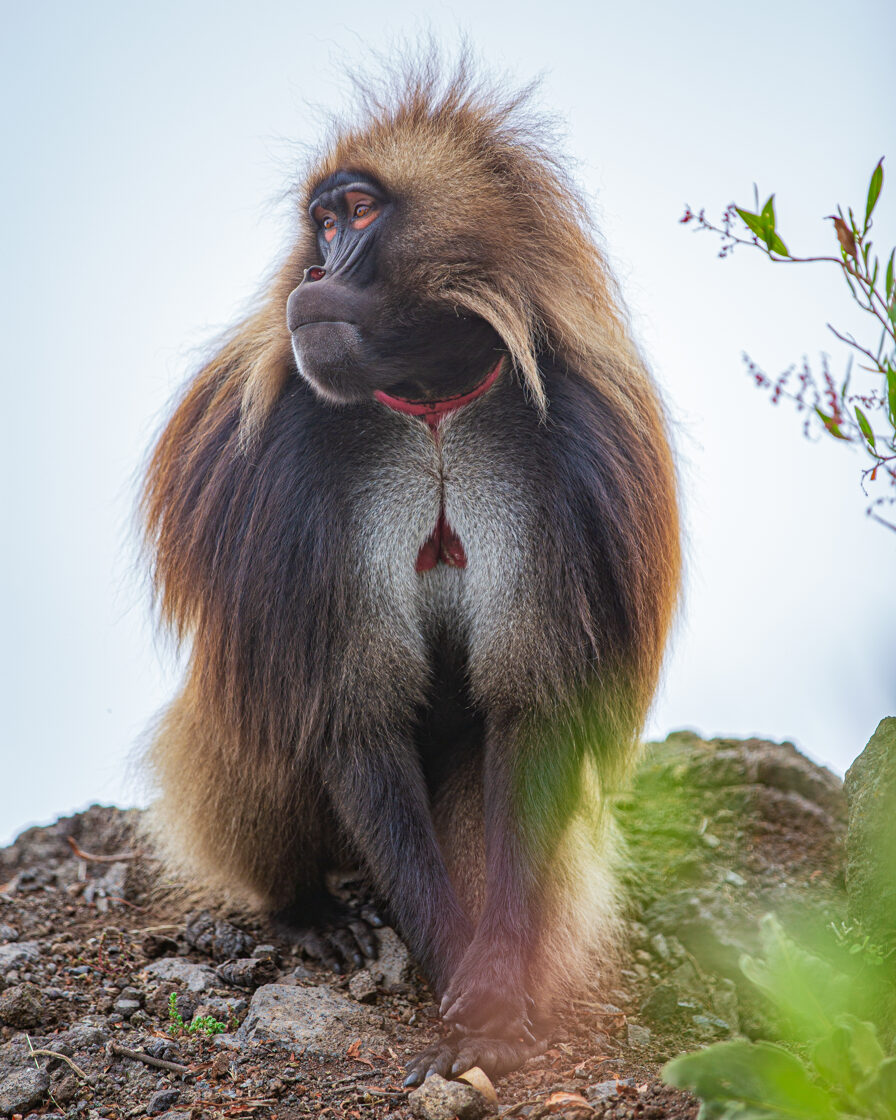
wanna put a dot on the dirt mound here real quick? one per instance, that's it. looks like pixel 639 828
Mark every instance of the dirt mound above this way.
pixel 719 833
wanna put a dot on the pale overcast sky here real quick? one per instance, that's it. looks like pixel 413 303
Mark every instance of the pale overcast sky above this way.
pixel 145 153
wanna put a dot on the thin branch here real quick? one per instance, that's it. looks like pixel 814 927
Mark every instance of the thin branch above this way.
pixel 63 1058
pixel 148 1059
pixel 90 858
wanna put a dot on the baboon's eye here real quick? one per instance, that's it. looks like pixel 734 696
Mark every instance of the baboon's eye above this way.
pixel 362 209
pixel 329 222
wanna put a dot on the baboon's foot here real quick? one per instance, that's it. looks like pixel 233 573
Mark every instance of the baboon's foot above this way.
pixel 330 931
pixel 459 1052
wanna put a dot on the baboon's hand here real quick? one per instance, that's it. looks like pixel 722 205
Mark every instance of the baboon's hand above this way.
pixel 459 1052
pixel 487 996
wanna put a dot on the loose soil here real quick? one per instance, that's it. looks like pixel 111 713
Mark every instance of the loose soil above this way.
pixel 719 833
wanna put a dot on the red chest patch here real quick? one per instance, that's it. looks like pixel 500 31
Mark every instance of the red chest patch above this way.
pixel 444 545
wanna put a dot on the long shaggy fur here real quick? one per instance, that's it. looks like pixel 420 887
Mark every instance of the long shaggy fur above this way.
pixel 283 532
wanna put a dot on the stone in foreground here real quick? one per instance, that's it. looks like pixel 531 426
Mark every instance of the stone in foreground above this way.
pixel 438 1099
pixel 23 1090
pixel 316 1019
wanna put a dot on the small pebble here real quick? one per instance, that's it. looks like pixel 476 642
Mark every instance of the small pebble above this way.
pixel 362 986
pixel 162 1101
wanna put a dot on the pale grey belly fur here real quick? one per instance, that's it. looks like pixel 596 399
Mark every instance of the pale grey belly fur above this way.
pixel 490 606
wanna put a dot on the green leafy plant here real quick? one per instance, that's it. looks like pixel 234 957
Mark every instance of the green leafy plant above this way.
pixel 176 1023
pixel 841 1071
pixel 206 1024
pixel 200 1024
pixel 866 416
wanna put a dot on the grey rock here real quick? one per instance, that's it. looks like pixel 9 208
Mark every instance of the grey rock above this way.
pixel 393 970
pixel 661 1005
pixel 7 933
pixel 15 1054
pixel 112 886
pixel 362 986
pixel 660 946
pixel 322 1022
pixel 871 835
pixel 710 1026
pixel 780 766
pixel 216 937
pixel 23 1090
pixel 18 955
pixel 185 974
pixel 605 1090
pixel 637 1035
pixel 725 1003
pixel 702 923
pixel 438 1099
pixel 687 980
pixel 267 952
pixel 126 1007
pixel 23 1005
pixel 80 1037
pixel 163 1048
pixel 162 1101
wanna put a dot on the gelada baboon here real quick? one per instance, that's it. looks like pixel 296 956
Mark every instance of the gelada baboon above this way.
pixel 417 520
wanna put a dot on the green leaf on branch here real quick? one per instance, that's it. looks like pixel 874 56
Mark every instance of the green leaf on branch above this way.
pixel 750 1081
pixel 763 226
pixel 866 428
pixel 831 425
pixel 891 392
pixel 877 181
pixel 890 287
pixel 777 245
pixel 753 222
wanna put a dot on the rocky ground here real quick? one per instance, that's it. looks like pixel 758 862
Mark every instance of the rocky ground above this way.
pixel 116 1006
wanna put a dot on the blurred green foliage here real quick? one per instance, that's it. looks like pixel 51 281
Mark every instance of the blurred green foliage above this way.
pixel 838 1068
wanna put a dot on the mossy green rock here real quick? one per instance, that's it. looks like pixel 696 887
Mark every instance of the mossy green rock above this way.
pixel 871 838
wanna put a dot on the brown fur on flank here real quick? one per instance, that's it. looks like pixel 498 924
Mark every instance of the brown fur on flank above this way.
pixel 500 700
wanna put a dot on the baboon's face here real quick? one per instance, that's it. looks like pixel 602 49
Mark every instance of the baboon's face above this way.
pixel 354 329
